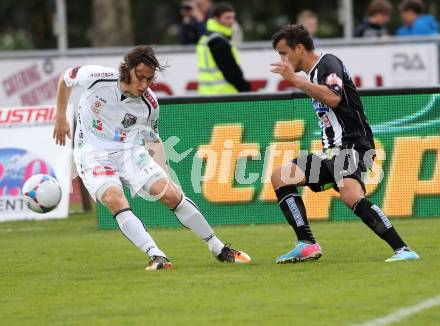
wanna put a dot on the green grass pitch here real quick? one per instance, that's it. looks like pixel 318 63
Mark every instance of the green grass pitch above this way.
pixel 66 272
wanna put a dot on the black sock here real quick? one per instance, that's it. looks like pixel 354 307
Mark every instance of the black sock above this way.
pixel 294 210
pixel 377 221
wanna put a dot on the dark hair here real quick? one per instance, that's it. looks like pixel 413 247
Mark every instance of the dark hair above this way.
pixel 414 5
pixel 140 54
pixel 383 7
pixel 294 35
pixel 221 8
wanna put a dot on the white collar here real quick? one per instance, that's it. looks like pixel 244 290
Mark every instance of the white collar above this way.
pixel 314 66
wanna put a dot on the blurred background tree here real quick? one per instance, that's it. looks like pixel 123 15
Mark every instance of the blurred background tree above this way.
pixel 28 24
pixel 112 23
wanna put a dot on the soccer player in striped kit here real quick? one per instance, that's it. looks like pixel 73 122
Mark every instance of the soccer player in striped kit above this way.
pixel 348 146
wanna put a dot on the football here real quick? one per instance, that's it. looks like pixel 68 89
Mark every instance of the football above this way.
pixel 41 193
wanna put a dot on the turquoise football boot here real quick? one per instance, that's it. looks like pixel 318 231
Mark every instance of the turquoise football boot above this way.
pixel 404 253
pixel 303 251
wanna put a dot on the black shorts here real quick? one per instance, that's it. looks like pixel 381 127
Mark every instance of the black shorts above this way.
pixel 324 170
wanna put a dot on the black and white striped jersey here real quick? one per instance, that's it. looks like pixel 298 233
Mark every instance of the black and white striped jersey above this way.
pixel 345 124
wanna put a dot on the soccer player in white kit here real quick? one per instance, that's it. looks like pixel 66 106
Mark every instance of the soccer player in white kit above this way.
pixel 117 144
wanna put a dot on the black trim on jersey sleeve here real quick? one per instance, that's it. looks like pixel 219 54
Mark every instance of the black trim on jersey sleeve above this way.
pixel 101 80
pixel 331 74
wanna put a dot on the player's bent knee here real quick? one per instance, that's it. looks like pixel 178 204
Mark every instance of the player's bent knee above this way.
pixel 276 178
pixel 351 192
pixel 172 197
pixel 113 197
pixel 287 174
pixel 350 199
pixel 107 190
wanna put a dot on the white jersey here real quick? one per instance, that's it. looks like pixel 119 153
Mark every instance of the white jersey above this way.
pixel 108 120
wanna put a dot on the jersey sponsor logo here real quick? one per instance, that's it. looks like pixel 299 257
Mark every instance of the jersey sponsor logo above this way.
pixel 128 120
pixel 324 121
pixel 333 80
pixel 120 135
pixel 103 170
pixel 101 74
pixel 319 107
pixel 151 99
pixel 73 72
pixel 98 105
pixel 97 124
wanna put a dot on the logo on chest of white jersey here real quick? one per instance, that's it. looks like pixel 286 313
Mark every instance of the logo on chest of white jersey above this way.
pixel 120 135
pixel 129 120
pixel 98 105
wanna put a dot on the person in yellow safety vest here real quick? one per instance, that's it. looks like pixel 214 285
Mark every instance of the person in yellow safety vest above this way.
pixel 218 61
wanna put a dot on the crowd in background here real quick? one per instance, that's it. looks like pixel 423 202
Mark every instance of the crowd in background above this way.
pixel 212 28
pixel 415 20
pixel 30 24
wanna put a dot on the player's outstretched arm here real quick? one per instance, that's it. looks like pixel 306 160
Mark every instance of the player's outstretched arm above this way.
pixel 62 127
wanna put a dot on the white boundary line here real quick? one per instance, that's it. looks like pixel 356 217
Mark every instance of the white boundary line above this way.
pixel 29 229
pixel 402 313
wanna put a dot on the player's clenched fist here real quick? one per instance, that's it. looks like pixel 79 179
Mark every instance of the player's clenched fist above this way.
pixel 284 68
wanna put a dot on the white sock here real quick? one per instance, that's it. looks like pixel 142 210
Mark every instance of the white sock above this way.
pixel 134 230
pixel 189 215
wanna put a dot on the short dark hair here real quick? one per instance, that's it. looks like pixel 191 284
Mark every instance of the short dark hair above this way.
pixel 383 7
pixel 294 35
pixel 414 5
pixel 140 54
pixel 221 8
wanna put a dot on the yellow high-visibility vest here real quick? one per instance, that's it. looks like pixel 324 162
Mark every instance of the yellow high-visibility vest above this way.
pixel 210 79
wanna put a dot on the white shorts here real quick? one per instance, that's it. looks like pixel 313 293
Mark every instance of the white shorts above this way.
pixel 133 168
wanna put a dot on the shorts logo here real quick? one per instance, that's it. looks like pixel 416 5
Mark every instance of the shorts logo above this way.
pixel 73 72
pixel 120 135
pixel 129 120
pixel 142 159
pixel 103 170
pixel 97 124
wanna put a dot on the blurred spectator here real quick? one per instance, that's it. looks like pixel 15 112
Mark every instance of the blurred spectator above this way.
pixel 205 6
pixel 218 60
pixel 415 20
pixel 378 16
pixel 237 33
pixel 193 24
pixel 309 20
